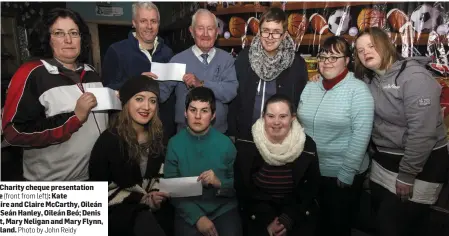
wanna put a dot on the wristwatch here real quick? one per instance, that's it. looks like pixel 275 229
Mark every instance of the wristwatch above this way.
pixel 201 83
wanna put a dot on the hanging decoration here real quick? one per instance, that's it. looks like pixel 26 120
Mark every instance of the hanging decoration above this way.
pixel 369 17
pixel 237 26
pixel 405 23
pixel 221 26
pixel 425 18
pixel 227 35
pixel 339 21
pixel 253 24
pixel 319 26
pixel 297 26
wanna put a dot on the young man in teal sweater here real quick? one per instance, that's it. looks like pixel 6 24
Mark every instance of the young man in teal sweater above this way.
pixel 201 150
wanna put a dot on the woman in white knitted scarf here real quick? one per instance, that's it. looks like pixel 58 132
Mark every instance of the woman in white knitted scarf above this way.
pixel 277 180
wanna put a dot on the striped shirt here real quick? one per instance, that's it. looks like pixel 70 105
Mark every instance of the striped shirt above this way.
pixel 276 181
pixel 339 121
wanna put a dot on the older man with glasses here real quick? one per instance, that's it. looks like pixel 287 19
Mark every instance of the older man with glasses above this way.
pixel 206 66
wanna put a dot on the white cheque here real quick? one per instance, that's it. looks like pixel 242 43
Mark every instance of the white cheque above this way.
pixel 106 99
pixel 181 187
pixel 168 71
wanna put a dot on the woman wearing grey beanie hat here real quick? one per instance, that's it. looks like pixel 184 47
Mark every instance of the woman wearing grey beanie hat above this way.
pixel 129 155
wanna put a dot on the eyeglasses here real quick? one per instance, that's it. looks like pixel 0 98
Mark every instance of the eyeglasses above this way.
pixel 62 34
pixel 275 35
pixel 330 59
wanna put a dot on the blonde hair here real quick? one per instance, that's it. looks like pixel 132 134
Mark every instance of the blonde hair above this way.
pixel 383 47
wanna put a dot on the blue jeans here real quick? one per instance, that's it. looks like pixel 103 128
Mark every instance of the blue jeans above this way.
pixel 227 224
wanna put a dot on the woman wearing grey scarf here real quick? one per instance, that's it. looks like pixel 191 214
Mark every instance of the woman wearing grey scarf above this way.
pixel 270 66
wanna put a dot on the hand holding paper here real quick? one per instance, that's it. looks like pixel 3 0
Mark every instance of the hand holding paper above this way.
pixel 181 187
pixel 85 103
pixel 150 75
pixel 106 99
pixel 168 71
pixel 209 178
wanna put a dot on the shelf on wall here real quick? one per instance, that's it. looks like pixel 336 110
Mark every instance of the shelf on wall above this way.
pixel 250 8
pixel 313 39
pixel 230 42
pixel 290 6
pixel 310 5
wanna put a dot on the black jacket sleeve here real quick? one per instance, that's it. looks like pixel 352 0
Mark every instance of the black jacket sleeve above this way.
pixel 24 121
pixel 301 81
pixel 99 162
pixel 241 67
pixel 112 74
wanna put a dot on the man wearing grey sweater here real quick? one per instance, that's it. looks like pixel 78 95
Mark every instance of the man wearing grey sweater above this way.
pixel 205 66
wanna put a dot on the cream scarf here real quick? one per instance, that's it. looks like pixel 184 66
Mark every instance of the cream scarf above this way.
pixel 279 154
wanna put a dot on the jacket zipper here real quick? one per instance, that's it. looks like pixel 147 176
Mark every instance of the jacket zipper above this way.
pixel 310 153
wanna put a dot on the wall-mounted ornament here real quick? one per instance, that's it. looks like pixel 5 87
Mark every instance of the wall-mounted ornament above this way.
pixel 339 21
pixel 369 17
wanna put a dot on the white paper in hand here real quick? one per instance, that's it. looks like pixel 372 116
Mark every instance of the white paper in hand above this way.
pixel 168 71
pixel 106 99
pixel 181 187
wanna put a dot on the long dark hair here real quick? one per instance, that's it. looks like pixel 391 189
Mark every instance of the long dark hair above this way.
pixel 123 123
pixel 337 44
pixel 40 47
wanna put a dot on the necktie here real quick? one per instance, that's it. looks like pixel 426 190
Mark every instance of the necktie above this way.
pixel 204 56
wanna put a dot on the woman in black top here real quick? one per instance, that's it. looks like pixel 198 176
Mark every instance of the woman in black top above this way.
pixel 277 176
pixel 130 155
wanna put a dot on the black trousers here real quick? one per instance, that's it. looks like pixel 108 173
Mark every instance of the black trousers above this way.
pixel 338 206
pixel 138 220
pixel 132 220
pixel 146 224
pixel 228 224
pixel 397 218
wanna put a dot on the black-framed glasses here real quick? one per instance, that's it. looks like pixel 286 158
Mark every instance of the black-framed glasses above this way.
pixel 62 34
pixel 275 35
pixel 330 59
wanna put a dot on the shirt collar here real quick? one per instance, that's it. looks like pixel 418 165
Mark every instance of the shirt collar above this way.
pixel 57 63
pixel 52 66
pixel 197 51
pixel 199 136
pixel 156 43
